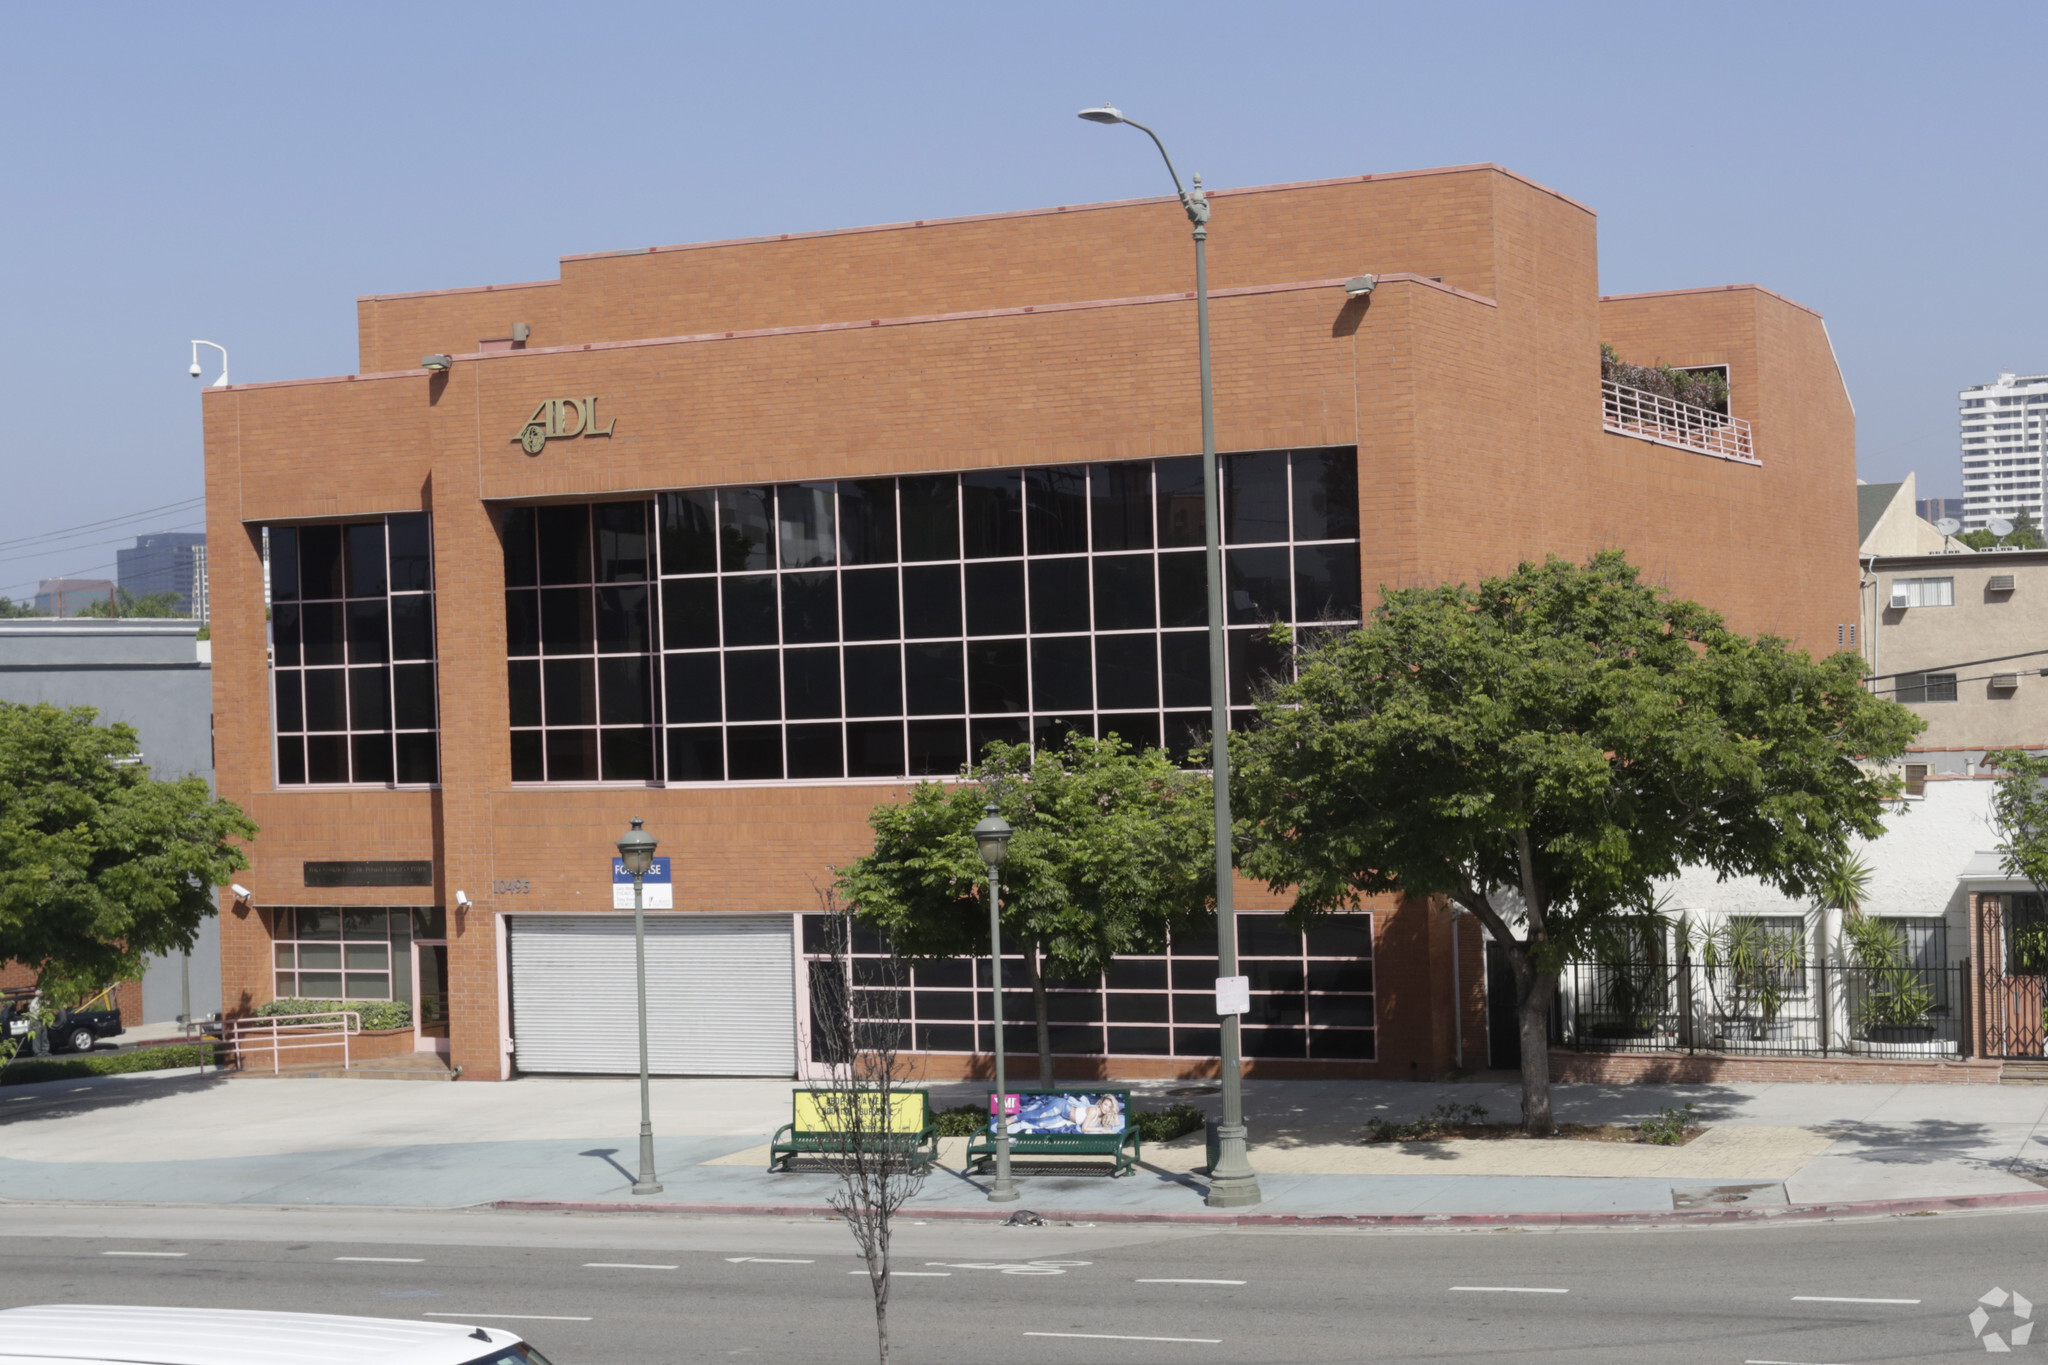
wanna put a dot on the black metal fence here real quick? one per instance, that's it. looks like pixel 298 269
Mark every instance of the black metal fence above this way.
pixel 1801 1010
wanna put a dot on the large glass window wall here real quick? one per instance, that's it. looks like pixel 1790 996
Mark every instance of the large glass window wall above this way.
pixel 332 952
pixel 879 628
pixel 352 650
pixel 1312 996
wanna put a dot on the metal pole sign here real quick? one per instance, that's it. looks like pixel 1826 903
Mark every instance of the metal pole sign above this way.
pixel 661 894
pixel 1233 995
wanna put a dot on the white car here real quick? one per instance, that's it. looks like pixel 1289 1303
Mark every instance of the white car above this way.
pixel 107 1334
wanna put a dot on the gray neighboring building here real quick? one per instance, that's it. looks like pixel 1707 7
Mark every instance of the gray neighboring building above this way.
pixel 157 676
pixel 161 562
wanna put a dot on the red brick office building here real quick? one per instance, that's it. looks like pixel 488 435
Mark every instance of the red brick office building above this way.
pixel 743 537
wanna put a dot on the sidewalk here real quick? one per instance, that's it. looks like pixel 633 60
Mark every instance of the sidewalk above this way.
pixel 206 1139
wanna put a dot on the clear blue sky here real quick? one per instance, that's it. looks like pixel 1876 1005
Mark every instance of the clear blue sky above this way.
pixel 242 172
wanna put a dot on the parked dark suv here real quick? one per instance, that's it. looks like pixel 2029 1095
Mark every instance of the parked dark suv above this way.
pixel 78 1030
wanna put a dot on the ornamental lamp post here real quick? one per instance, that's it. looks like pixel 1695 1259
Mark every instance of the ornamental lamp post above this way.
pixel 636 854
pixel 992 842
pixel 1232 1182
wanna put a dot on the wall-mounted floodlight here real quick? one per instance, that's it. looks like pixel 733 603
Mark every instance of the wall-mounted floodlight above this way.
pixel 221 382
pixel 436 363
pixel 1358 286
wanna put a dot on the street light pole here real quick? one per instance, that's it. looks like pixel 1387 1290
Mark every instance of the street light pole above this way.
pixel 636 851
pixel 1232 1182
pixel 992 841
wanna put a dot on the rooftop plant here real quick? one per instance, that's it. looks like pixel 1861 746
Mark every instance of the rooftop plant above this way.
pixel 1701 388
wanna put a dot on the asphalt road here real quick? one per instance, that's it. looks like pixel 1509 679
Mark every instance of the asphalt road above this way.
pixel 643 1290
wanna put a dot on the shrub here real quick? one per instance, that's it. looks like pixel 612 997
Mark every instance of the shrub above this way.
pixel 1701 388
pixel 30 1070
pixel 376 1014
pixel 1164 1125
pixel 1668 1128
pixel 963 1120
pixel 1442 1121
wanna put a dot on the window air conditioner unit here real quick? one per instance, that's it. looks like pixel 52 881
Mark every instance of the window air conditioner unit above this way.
pixel 2000 582
pixel 1899 598
pixel 2004 682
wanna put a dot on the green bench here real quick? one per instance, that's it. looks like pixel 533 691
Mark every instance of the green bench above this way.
pixel 818 1127
pixel 1064 1123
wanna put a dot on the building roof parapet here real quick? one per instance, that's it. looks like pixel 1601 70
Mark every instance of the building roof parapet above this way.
pixel 1991 561
pixel 1059 209
pixel 1711 289
pixel 1053 211
pixel 100 627
pixel 868 324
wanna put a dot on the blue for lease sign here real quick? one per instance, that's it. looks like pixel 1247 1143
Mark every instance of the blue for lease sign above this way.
pixel 657 890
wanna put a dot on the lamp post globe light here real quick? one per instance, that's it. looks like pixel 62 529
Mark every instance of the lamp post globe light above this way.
pixel 1232 1182
pixel 636 853
pixel 992 842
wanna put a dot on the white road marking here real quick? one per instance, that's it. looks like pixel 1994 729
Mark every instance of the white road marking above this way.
pixel 505 1317
pixel 169 1254
pixel 385 1260
pixel 1502 1290
pixel 1188 1281
pixel 1779 1362
pixel 623 1265
pixel 768 1260
pixel 1829 1298
pixel 920 1274
pixel 1112 1336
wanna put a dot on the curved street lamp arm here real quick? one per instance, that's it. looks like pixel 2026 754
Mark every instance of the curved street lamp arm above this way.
pixel 1197 203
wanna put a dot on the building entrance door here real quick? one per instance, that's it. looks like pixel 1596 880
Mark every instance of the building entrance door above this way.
pixel 430 996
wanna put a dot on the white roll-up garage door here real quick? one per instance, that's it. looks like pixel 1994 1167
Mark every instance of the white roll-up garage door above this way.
pixel 721 994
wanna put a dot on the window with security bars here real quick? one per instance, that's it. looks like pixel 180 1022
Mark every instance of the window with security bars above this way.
pixel 1312 996
pixel 328 952
pixel 352 651
pixel 1924 687
pixel 879 628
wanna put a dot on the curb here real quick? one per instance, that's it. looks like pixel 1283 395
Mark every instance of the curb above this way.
pixel 1864 1208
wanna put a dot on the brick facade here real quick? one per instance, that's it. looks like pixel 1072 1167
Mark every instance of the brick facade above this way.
pixel 1468 380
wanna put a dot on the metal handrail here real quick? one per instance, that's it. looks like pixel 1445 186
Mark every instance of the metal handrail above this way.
pixel 1668 422
pixel 292 1033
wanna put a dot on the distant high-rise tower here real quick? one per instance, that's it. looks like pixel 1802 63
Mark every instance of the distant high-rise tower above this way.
pixel 2002 425
pixel 1934 509
pixel 161 562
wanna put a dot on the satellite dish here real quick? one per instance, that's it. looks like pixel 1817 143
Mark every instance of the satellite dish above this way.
pixel 1999 526
pixel 1948 526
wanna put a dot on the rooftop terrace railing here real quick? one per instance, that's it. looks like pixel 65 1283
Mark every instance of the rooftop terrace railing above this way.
pixel 1668 422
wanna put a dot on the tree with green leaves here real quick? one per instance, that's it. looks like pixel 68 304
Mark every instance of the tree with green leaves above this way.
pixel 101 865
pixel 1112 850
pixel 11 610
pixel 124 603
pixel 1543 751
pixel 2019 812
pixel 2025 535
